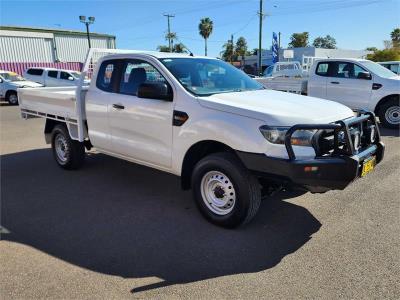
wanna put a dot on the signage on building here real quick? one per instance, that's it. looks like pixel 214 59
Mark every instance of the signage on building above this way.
pixel 288 54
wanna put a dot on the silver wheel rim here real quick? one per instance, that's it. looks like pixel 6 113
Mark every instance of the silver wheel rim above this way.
pixel 61 147
pixel 13 99
pixel 218 192
pixel 392 115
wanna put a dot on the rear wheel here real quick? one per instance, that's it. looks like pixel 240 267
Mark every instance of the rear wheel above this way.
pixel 12 98
pixel 68 153
pixel 389 113
pixel 226 193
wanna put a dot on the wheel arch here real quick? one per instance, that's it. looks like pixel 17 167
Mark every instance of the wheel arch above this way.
pixel 384 100
pixel 195 153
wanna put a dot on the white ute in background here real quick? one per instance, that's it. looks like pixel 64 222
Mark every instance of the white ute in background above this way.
pixel 356 83
pixel 228 138
pixel 54 77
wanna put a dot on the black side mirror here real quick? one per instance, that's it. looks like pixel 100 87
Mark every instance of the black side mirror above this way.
pixel 364 75
pixel 156 90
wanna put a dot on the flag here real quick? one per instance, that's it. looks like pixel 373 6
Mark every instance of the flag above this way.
pixel 275 50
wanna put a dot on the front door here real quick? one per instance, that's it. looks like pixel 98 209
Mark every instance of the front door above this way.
pixel 344 85
pixel 141 129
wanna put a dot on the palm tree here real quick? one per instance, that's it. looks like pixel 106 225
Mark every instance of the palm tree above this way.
pixel 171 36
pixel 241 48
pixel 205 30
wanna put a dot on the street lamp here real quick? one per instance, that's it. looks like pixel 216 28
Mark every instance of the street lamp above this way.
pixel 90 20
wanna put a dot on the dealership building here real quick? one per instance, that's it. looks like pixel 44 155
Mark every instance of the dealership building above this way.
pixel 22 47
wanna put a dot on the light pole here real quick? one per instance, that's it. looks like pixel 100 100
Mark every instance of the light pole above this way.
pixel 87 23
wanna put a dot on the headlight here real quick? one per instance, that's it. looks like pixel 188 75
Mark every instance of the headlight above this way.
pixel 276 135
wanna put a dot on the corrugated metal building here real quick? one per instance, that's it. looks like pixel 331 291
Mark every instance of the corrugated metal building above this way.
pixel 27 44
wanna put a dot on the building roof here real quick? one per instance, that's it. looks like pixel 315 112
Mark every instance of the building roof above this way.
pixel 54 30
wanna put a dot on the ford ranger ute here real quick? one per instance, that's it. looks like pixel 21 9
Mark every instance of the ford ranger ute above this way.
pixel 226 136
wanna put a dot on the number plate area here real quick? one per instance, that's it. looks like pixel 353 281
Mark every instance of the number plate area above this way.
pixel 368 166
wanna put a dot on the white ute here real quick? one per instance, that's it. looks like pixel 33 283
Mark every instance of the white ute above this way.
pixel 227 137
pixel 356 83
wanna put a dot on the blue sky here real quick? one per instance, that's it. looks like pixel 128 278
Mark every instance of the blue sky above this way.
pixel 356 24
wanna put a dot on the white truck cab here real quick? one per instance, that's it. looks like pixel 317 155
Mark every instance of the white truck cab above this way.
pixel 227 137
pixel 54 77
pixel 358 84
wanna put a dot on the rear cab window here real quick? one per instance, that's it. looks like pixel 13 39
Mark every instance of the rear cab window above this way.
pixel 37 72
pixel 107 75
pixel 322 69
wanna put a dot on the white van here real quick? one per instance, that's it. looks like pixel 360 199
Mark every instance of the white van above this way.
pixel 53 77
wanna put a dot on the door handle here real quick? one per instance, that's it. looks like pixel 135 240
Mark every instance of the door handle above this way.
pixel 335 82
pixel 118 106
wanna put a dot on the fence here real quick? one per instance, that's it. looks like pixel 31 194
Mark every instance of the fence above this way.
pixel 20 67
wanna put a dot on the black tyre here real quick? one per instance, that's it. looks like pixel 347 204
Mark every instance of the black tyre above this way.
pixel 68 153
pixel 389 113
pixel 12 98
pixel 226 193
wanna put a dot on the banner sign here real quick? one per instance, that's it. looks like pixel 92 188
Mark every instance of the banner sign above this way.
pixel 275 50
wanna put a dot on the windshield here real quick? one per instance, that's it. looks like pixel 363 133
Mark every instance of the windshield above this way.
pixel 11 76
pixel 377 69
pixel 203 77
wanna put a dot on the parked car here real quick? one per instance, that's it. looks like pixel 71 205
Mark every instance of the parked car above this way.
pixel 10 82
pixel 54 77
pixel 393 66
pixel 356 83
pixel 202 119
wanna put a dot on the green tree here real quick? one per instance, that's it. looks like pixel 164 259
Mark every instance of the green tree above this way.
pixel 373 49
pixel 326 42
pixel 180 48
pixel 299 40
pixel 385 55
pixel 177 48
pixel 229 54
pixel 205 30
pixel 241 47
pixel 171 36
pixel 163 48
pixel 395 36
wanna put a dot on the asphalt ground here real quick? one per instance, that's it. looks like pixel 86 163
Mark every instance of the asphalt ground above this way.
pixel 114 229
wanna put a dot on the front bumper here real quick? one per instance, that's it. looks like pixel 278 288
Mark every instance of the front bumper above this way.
pixel 322 173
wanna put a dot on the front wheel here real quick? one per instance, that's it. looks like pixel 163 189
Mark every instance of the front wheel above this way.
pixel 68 153
pixel 12 98
pixel 226 193
pixel 389 114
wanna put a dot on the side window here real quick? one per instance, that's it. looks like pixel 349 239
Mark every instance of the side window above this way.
pixel 342 70
pixel 65 75
pixel 358 70
pixel 106 75
pixel 37 72
pixel 136 72
pixel 52 74
pixel 322 69
pixel 394 68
